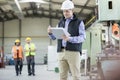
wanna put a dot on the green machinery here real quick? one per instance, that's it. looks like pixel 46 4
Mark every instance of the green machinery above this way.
pixel 94 39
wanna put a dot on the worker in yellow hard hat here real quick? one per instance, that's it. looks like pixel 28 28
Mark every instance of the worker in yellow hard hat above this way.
pixel 17 51
pixel 28 39
pixel 30 53
pixel 69 47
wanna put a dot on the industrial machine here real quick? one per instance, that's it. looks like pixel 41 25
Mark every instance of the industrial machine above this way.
pixel 108 60
pixel 108 63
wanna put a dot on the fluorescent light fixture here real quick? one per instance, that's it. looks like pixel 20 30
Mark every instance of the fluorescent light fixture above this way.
pixel 18 5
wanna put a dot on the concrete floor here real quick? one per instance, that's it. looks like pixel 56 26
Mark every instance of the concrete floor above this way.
pixel 8 73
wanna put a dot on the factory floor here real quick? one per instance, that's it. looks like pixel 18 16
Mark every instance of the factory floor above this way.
pixel 8 73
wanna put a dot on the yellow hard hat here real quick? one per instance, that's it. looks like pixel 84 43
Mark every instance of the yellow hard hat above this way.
pixel 28 39
pixel 17 40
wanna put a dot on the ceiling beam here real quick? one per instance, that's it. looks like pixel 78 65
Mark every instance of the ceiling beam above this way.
pixel 26 11
pixel 56 14
pixel 8 12
pixel 13 15
pixel 53 11
pixel 44 15
pixel 89 19
pixel 33 7
pixel 76 6
pixel 80 12
pixel 4 15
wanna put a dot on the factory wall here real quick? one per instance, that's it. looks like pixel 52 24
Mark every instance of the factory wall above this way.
pixel 36 28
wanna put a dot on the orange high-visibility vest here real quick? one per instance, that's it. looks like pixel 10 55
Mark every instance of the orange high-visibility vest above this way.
pixel 19 54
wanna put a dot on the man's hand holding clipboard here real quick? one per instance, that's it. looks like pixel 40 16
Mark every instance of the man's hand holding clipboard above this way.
pixel 59 33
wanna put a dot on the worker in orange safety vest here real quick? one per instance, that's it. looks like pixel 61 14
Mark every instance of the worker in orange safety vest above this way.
pixel 17 51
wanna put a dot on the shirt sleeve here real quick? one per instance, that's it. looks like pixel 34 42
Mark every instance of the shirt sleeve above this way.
pixel 51 36
pixel 82 35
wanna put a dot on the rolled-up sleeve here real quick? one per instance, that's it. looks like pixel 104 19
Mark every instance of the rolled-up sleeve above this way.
pixel 82 35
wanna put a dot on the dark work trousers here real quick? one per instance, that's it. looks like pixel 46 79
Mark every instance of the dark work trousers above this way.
pixel 30 65
pixel 18 65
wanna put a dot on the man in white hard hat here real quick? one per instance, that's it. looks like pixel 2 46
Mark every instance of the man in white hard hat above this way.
pixel 69 47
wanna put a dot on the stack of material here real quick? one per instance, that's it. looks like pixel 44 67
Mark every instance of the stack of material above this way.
pixel 109 64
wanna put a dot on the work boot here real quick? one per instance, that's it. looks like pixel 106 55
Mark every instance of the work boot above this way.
pixel 16 74
pixel 33 74
pixel 20 72
pixel 29 74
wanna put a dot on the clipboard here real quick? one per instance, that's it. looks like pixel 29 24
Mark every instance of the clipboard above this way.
pixel 59 32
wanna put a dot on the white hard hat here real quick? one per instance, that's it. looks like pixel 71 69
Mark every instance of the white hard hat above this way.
pixel 67 4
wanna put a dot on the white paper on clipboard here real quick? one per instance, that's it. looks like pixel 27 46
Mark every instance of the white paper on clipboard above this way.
pixel 59 32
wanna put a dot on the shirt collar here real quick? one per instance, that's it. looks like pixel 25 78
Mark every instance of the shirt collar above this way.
pixel 70 18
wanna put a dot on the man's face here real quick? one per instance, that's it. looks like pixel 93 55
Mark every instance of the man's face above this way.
pixel 28 41
pixel 68 13
pixel 17 43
